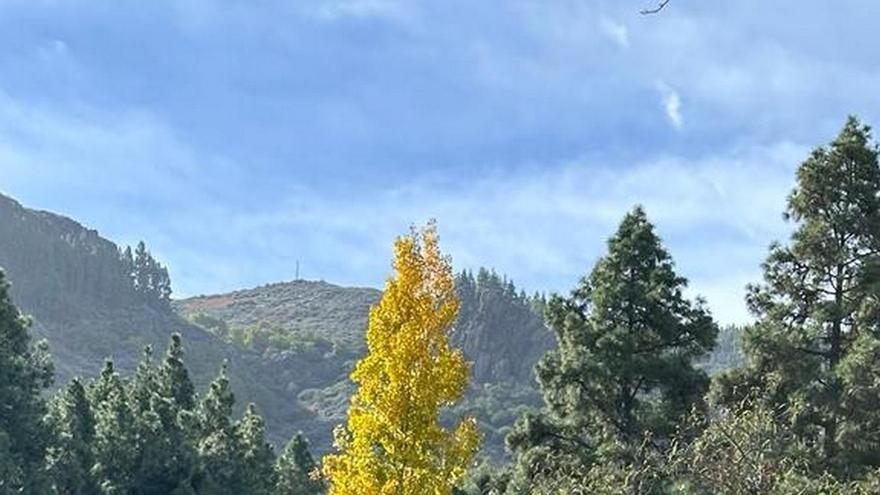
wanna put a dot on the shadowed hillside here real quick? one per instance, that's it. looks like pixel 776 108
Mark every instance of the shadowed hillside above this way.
pixel 78 290
pixel 290 346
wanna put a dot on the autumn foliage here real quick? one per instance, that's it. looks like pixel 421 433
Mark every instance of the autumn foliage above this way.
pixel 393 442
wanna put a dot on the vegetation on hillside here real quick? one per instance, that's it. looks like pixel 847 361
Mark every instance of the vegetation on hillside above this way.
pixel 144 434
pixel 500 330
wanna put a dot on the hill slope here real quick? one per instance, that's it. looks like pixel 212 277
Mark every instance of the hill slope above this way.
pixel 318 329
pixel 290 346
pixel 74 285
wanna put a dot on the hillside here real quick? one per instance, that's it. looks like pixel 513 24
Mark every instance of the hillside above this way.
pixel 289 346
pixel 319 327
pixel 74 284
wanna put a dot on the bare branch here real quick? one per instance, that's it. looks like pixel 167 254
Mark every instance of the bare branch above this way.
pixel 655 9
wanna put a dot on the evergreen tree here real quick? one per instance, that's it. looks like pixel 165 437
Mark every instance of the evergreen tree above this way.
pixel 144 383
pixel 69 459
pixel 115 443
pixel 174 381
pixel 815 348
pixel 218 446
pixel 163 284
pixel 258 458
pixel 150 278
pixel 142 268
pixel 295 469
pixel 128 266
pixel 394 442
pixel 164 400
pixel 624 367
pixel 25 370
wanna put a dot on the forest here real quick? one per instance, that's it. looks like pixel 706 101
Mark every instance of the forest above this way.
pixel 627 401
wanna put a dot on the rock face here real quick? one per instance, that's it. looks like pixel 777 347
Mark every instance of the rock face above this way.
pixel 289 346
pixel 500 330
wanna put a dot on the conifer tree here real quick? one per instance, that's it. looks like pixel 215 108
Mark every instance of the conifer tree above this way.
pixel 150 278
pixel 258 458
pixel 173 377
pixel 814 350
pixel 393 442
pixel 127 258
pixel 163 400
pixel 295 470
pixel 624 368
pixel 69 459
pixel 144 383
pixel 115 443
pixel 25 370
pixel 218 446
pixel 142 267
pixel 163 284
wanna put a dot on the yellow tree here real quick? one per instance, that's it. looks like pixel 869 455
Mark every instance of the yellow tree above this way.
pixel 393 443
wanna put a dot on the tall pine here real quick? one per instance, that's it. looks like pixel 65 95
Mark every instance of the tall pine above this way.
pixel 69 459
pixel 115 445
pixel 25 370
pixel 624 371
pixel 257 456
pixel 164 401
pixel 815 349
pixel 218 447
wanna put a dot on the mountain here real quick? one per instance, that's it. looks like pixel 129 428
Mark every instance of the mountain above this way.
pixel 289 346
pixel 501 331
pixel 319 328
pixel 77 288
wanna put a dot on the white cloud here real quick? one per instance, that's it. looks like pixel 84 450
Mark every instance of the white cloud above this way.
pixel 671 102
pixel 543 225
pixel 615 31
pixel 337 9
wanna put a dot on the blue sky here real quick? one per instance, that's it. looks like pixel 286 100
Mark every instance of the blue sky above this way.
pixel 237 137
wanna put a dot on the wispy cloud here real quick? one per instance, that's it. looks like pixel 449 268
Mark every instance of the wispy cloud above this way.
pixel 615 31
pixel 671 102
pixel 543 225
pixel 249 135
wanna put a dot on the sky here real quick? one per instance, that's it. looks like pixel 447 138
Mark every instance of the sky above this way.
pixel 239 137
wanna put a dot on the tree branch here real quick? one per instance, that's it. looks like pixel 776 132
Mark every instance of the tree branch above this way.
pixel 656 9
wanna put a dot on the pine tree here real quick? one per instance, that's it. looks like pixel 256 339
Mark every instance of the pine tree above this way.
pixel 295 470
pixel 393 442
pixel 142 268
pixel 624 369
pixel 150 279
pixel 25 370
pixel 144 383
pixel 69 459
pixel 115 443
pixel 258 458
pixel 163 400
pixel 174 381
pixel 163 284
pixel 218 447
pixel 815 348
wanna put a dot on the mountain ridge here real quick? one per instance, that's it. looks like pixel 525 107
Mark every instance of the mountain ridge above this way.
pixel 296 341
